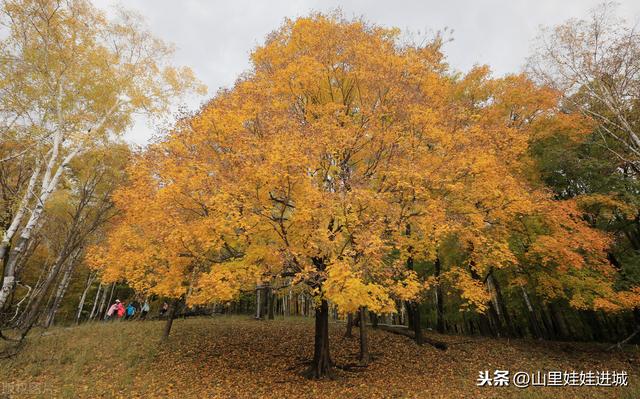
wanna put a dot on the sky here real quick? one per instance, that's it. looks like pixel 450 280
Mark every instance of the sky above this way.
pixel 215 37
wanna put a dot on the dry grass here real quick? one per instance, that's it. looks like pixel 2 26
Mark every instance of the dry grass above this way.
pixel 235 357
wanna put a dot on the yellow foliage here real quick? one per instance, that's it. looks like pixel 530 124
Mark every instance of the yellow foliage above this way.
pixel 338 158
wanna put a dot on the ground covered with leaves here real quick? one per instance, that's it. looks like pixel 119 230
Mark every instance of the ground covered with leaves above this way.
pixel 237 357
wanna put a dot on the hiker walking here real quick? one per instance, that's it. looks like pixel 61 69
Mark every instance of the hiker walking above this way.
pixel 112 313
pixel 119 309
pixel 144 310
pixel 130 311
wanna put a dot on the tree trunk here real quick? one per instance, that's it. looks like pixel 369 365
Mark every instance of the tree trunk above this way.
pixel 349 332
pixel 321 364
pixel 62 289
pixel 110 300
pixel 413 307
pixel 501 306
pixel 83 296
pixel 95 302
pixel 417 324
pixel 409 307
pixel 5 244
pixel 531 313
pixel 103 302
pixel 258 304
pixel 267 302
pixel 374 319
pixel 272 301
pixel 494 320
pixel 31 314
pixel 49 184
pixel 170 316
pixel 558 321
pixel 439 298
pixel 364 344
pixel 285 310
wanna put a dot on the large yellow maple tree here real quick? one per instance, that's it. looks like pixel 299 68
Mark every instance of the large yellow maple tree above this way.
pixel 340 156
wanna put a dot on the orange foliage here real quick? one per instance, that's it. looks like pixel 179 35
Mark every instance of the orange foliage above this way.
pixel 320 160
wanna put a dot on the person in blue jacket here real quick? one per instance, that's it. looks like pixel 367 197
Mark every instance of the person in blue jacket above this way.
pixel 131 310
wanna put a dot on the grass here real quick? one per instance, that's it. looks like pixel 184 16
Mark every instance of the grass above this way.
pixel 236 357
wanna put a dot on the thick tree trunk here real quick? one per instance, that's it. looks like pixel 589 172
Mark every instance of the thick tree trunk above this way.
pixel 321 363
pixel 272 301
pixel 9 279
pixel 364 344
pixel 417 324
pixel 413 307
pixel 171 314
pixel 349 332
pixel 409 310
pixel 5 244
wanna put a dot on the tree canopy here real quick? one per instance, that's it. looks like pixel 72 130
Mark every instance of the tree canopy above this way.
pixel 343 158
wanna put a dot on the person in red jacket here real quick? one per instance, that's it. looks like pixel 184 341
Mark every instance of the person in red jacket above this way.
pixel 119 309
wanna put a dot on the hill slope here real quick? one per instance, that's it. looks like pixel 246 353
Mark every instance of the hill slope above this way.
pixel 237 357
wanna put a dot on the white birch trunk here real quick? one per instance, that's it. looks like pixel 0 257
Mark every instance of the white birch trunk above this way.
pixel 8 284
pixel 83 296
pixel 49 184
pixel 494 295
pixel 17 218
pixel 62 289
pixel 95 302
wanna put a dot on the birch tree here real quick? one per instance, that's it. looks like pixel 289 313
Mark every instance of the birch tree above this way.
pixel 595 63
pixel 75 79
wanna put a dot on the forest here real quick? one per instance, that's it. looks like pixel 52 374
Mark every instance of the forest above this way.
pixel 354 217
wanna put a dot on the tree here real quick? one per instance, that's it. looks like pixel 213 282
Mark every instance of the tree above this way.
pixel 75 214
pixel 595 63
pixel 340 160
pixel 70 79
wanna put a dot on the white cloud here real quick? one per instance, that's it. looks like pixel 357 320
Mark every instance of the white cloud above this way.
pixel 215 37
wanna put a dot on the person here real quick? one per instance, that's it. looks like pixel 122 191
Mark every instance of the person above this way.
pixel 164 308
pixel 131 310
pixel 113 311
pixel 119 309
pixel 144 310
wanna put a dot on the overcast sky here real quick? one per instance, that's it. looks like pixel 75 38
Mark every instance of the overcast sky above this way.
pixel 215 38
